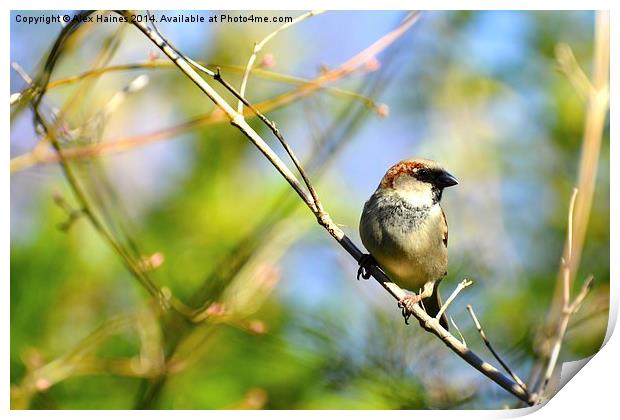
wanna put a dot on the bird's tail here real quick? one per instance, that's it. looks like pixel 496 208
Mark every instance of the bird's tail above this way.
pixel 433 304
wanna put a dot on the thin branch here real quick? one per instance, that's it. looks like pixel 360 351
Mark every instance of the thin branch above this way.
pixel 51 133
pixel 259 46
pixel 317 207
pixel 495 354
pixel 433 326
pixel 235 118
pixel 22 73
pixel 566 260
pixel 40 156
pixel 240 96
pixel 568 308
pixel 165 64
pixel 574 73
pixel 583 293
pixel 596 115
pixel 463 284
pixel 458 330
pixel 351 64
pixel 306 87
pixel 88 211
pixel 559 338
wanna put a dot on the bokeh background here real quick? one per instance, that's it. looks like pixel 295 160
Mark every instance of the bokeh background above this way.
pixel 285 324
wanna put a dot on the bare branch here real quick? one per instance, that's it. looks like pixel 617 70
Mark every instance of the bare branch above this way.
pixel 463 284
pixel 596 115
pixel 458 330
pixel 234 117
pixel 568 308
pixel 44 156
pixel 585 289
pixel 566 260
pixel 316 205
pixel 22 73
pixel 51 131
pixel 573 72
pixel 165 64
pixel 495 354
pixel 559 338
pixel 260 45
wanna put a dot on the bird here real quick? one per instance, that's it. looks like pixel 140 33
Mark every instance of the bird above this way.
pixel 406 232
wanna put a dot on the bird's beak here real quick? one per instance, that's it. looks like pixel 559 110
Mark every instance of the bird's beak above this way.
pixel 446 179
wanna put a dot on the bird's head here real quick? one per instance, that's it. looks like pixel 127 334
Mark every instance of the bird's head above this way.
pixel 420 181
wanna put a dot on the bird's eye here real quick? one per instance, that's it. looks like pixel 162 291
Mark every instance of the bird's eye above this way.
pixel 422 174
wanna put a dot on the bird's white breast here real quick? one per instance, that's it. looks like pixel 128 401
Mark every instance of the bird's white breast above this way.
pixel 405 235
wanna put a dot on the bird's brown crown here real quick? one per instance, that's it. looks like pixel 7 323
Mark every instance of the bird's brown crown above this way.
pixel 407 167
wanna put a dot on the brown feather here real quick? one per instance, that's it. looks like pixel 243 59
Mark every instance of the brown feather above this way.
pixel 444 221
pixel 405 167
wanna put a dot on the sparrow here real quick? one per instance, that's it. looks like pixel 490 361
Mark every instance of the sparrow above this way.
pixel 406 232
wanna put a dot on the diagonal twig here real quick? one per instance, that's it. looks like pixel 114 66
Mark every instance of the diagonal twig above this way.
pixel 495 354
pixel 316 204
pixel 260 45
pixel 463 284
pixel 37 156
pixel 276 132
pixel 568 307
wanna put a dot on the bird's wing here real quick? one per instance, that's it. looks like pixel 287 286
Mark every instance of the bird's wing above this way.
pixel 444 223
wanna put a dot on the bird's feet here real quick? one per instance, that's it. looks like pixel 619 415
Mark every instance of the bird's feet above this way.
pixel 365 262
pixel 406 304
